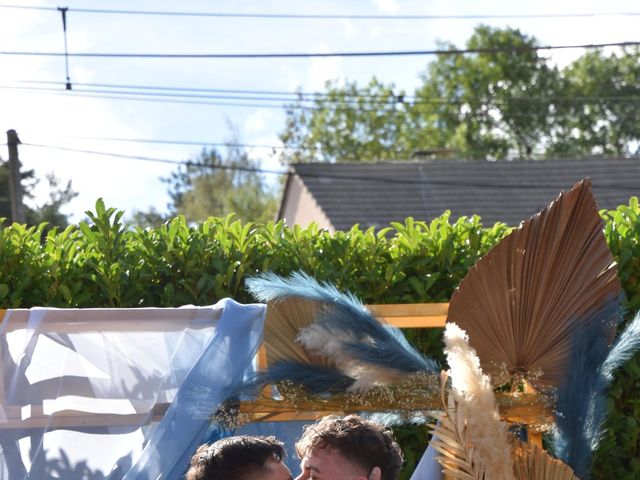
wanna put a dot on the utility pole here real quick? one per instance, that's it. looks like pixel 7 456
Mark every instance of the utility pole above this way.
pixel 15 187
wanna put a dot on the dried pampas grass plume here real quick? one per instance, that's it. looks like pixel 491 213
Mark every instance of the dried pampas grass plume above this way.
pixel 458 457
pixel 472 390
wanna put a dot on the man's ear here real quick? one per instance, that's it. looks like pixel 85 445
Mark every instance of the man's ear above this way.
pixel 376 474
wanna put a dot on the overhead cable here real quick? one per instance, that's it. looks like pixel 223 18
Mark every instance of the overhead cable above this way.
pixel 310 97
pixel 154 159
pixel 275 55
pixel 336 176
pixel 374 107
pixel 320 16
pixel 183 142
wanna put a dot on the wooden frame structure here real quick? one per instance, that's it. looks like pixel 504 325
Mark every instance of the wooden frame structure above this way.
pixel 423 315
pixel 32 416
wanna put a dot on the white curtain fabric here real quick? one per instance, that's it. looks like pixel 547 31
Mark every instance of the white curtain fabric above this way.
pixel 428 468
pixel 79 387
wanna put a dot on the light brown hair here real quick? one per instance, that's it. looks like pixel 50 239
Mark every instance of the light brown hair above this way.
pixel 362 442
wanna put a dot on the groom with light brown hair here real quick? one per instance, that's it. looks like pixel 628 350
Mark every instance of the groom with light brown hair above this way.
pixel 349 448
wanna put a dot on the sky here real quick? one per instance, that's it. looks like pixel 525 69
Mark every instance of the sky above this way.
pixel 34 102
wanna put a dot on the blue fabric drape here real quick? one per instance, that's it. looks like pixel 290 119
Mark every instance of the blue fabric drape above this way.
pixel 219 369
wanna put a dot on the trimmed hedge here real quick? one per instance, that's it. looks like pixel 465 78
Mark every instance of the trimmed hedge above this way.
pixel 105 263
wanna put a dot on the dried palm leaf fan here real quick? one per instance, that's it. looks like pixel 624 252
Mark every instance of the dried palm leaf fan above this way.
pixel 523 301
pixel 285 319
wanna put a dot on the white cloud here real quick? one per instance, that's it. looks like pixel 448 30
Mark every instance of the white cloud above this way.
pixel 375 31
pixel 386 6
pixel 348 28
pixel 259 120
pixel 323 69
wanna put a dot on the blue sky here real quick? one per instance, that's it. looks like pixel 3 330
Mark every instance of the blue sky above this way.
pixel 58 118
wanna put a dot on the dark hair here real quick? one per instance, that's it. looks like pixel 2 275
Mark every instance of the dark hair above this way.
pixel 362 442
pixel 242 457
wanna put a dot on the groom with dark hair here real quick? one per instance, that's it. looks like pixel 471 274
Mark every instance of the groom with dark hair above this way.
pixel 241 457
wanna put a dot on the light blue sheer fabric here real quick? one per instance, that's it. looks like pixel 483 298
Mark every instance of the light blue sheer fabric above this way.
pixel 112 366
pixel 219 369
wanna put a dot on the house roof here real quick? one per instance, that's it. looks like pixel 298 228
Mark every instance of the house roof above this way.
pixel 375 194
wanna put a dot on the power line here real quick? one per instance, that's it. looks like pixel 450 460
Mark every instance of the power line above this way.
pixel 494 106
pixel 214 167
pixel 161 94
pixel 217 167
pixel 182 142
pixel 172 88
pixel 154 159
pixel 307 16
pixel 287 95
pixel 335 176
pixel 391 53
pixel 326 98
pixel 80 94
pixel 307 97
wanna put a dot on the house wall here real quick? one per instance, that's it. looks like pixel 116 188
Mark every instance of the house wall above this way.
pixel 300 208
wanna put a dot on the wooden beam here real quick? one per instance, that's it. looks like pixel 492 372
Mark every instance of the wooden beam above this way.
pixel 112 320
pixel 415 315
pixel 80 419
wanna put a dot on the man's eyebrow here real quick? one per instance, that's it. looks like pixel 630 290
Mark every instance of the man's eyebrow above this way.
pixel 311 467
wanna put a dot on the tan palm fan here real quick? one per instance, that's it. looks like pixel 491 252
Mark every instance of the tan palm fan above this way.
pixel 525 298
pixel 533 463
pixel 285 319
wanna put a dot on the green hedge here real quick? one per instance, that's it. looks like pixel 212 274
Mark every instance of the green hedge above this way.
pixel 105 263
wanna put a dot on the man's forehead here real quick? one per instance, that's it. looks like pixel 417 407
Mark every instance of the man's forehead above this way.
pixel 322 458
pixel 309 463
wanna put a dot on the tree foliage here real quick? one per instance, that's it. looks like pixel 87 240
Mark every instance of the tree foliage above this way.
pixel 598 104
pixel 214 185
pixel 489 103
pixel 50 211
pixel 351 123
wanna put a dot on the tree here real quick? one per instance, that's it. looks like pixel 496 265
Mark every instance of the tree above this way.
pixel 348 123
pixel 213 185
pixel 490 103
pixel 149 218
pixel 48 212
pixel 599 104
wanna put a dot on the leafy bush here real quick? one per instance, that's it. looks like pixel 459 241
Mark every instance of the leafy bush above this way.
pixel 105 263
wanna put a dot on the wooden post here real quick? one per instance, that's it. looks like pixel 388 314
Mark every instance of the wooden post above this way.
pixel 15 187
pixel 533 438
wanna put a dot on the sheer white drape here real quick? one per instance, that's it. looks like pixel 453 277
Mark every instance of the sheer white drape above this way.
pixel 428 468
pixel 116 393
